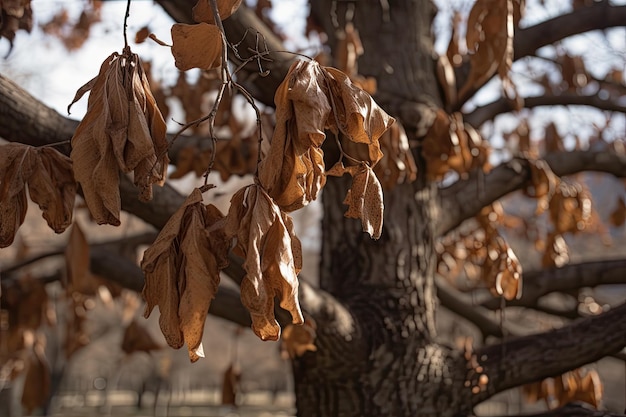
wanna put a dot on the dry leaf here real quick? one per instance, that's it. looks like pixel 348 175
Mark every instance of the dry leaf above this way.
pixel 196 46
pixel 273 258
pixel 490 39
pixel 293 170
pixel 618 216
pixel 123 129
pixel 364 198
pixel 50 184
pixel 37 384
pixel 556 252
pixel 137 339
pixel 502 271
pixel 202 11
pixel 543 184
pixel 182 272
pixel 297 340
pixel 397 166
pixel 356 114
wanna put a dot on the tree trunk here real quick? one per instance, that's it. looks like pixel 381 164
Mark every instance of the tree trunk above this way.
pixel 383 360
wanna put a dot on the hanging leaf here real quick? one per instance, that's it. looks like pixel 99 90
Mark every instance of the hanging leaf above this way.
pixel 556 252
pixel 543 184
pixel 397 166
pixel 38 380
pixel 50 184
pixel 364 198
pixel 122 129
pixel 202 11
pixel 356 114
pixel 297 340
pixel 137 339
pixel 182 272
pixel 273 258
pixel 293 170
pixel 618 216
pixel 489 39
pixel 196 46
pixel 79 277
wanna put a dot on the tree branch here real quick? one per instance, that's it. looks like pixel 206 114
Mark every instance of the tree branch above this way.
pixel 503 105
pixel 574 410
pixel 600 15
pixel 567 278
pixel 465 198
pixel 531 358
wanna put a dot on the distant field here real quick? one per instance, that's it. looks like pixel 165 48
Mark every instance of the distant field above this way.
pixel 199 403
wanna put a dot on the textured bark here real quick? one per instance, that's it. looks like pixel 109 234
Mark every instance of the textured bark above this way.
pixel 377 350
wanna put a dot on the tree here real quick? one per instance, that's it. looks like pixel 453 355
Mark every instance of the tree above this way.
pixel 376 347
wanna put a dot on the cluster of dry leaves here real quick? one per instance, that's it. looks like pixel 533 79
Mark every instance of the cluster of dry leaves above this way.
pixel 182 266
pixel 15 15
pixel 577 385
pixel 487 45
pixel 123 129
pixel 484 255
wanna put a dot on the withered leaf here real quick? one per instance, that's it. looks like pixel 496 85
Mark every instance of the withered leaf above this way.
pixel 501 270
pixel 50 184
pixel 202 11
pixel 38 381
pixel 490 38
pixel 196 46
pixel 182 272
pixel 293 170
pixel 357 114
pixel 272 252
pixel 297 340
pixel 618 216
pixel 365 199
pixel 122 129
pixel 137 339
pixel 79 277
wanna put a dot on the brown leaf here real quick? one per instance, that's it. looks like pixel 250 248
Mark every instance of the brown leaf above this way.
pixel 356 114
pixel 79 277
pixel 543 184
pixel 272 252
pixel 490 37
pixel 182 272
pixel 50 182
pixel 14 171
pixel 618 216
pixel 297 340
pixel 142 34
pixel 122 129
pixel 293 170
pixel 365 200
pixel 556 253
pixel 38 381
pixel 502 271
pixel 202 11
pixel 196 46
pixel 52 186
pixel 137 339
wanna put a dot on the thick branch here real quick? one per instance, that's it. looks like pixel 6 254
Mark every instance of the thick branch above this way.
pixel 600 15
pixel 573 410
pixel 109 265
pixel 567 278
pixel 465 198
pixel 503 105
pixel 43 125
pixel 532 358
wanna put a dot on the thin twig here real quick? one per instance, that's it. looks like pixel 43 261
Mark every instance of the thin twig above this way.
pixel 126 23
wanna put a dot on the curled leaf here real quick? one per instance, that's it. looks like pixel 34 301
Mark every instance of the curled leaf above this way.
pixel 272 252
pixel 293 170
pixel 50 184
pixel 122 129
pixel 356 114
pixel 182 273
